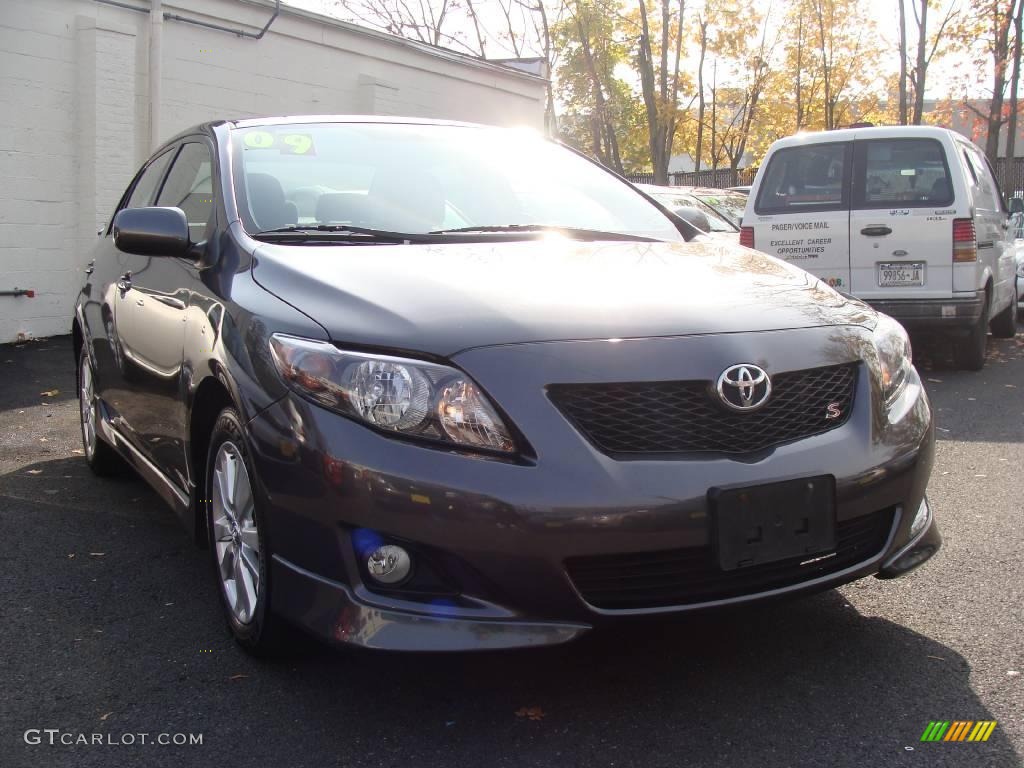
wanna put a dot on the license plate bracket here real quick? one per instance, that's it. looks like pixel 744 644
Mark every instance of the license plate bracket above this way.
pixel 767 523
pixel 900 274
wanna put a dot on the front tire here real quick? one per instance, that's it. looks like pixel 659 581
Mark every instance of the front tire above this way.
pixel 101 457
pixel 969 352
pixel 238 539
pixel 1004 325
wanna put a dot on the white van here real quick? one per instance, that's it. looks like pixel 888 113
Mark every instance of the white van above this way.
pixel 909 219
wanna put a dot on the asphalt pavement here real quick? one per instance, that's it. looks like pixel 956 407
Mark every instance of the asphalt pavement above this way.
pixel 110 628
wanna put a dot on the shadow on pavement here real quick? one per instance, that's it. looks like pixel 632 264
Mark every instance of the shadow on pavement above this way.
pixel 34 367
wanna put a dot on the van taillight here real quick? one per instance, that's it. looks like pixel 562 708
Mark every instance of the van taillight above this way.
pixel 965 241
pixel 747 237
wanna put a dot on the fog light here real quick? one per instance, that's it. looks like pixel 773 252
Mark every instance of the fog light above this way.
pixel 920 519
pixel 389 564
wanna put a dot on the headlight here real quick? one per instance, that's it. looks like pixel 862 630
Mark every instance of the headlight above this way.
pixel 895 358
pixel 410 397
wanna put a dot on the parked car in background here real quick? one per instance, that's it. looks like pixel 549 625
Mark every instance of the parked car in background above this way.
pixel 909 219
pixel 420 385
pixel 677 198
pixel 743 189
pixel 1017 228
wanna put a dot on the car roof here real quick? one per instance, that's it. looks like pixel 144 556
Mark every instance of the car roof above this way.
pixel 664 190
pixel 867 132
pixel 250 122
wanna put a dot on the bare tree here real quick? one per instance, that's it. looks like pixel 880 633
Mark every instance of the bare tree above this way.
pixel 702 24
pixel 660 88
pixel 916 76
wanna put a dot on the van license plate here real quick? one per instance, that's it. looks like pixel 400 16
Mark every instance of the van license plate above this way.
pixel 900 274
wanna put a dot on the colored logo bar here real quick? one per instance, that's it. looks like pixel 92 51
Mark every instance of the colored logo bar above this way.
pixel 958 730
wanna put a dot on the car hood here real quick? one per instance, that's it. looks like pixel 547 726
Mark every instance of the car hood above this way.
pixel 443 298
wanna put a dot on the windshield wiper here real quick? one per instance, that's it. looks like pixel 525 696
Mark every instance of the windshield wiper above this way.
pixel 342 230
pixel 581 233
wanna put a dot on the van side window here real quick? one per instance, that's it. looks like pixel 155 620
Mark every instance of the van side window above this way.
pixel 902 173
pixel 986 195
pixel 808 178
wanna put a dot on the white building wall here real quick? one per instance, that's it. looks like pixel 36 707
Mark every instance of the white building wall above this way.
pixel 74 112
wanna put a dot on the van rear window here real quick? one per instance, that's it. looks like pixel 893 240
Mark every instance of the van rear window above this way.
pixel 808 178
pixel 901 172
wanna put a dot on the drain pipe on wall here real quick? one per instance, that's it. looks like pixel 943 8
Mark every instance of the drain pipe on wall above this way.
pixel 156 34
pixel 240 32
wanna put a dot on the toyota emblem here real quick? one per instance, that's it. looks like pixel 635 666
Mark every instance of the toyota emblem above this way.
pixel 744 387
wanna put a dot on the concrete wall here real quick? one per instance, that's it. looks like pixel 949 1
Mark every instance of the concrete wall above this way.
pixel 75 112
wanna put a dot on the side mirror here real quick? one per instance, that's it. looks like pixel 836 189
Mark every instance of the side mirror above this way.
pixel 1017 205
pixel 151 231
pixel 694 216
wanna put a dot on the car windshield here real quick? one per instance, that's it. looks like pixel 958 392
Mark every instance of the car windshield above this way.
pixel 716 221
pixel 730 205
pixel 415 178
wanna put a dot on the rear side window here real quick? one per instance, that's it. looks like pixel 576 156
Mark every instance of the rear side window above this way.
pixel 902 173
pixel 808 178
pixel 145 188
pixel 986 191
pixel 189 186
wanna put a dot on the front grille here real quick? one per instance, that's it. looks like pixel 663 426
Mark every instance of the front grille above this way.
pixel 686 576
pixel 686 417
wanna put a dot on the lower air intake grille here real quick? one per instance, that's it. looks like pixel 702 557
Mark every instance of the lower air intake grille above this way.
pixel 685 576
pixel 685 417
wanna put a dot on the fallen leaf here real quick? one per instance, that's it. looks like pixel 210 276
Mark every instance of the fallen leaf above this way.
pixel 50 393
pixel 97 554
pixel 104 717
pixel 79 451
pixel 532 713
pixel 71 555
pixel 937 657
pixel 237 677
pixel 35 471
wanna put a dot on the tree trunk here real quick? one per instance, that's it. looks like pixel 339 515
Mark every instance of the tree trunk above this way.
pixel 1011 136
pixel 1000 53
pixel 799 70
pixel 903 63
pixel 700 94
pixel 655 126
pixel 921 68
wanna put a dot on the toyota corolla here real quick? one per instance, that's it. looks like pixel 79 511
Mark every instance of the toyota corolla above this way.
pixel 432 386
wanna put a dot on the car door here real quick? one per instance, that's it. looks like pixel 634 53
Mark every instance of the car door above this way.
pixel 901 219
pixel 802 209
pixel 995 243
pixel 151 312
pixel 106 282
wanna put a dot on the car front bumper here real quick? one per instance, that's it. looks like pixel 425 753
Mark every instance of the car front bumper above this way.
pixel 506 529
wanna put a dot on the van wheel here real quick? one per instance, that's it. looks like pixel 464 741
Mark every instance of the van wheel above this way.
pixel 1004 325
pixel 969 352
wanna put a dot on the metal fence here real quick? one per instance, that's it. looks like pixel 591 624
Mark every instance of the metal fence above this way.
pixel 719 178
pixel 1010 176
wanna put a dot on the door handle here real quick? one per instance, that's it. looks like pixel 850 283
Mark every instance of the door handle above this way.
pixel 876 231
pixel 124 284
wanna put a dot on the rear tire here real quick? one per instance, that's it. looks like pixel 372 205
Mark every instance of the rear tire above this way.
pixel 100 455
pixel 237 534
pixel 969 352
pixel 1004 325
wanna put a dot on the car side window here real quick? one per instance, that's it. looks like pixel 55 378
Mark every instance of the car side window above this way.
pixel 807 178
pixel 145 188
pixel 189 186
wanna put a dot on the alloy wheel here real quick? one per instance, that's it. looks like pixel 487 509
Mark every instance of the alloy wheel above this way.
pixel 86 404
pixel 234 532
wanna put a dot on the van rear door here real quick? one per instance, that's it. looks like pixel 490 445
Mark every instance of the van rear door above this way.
pixel 802 209
pixel 901 222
